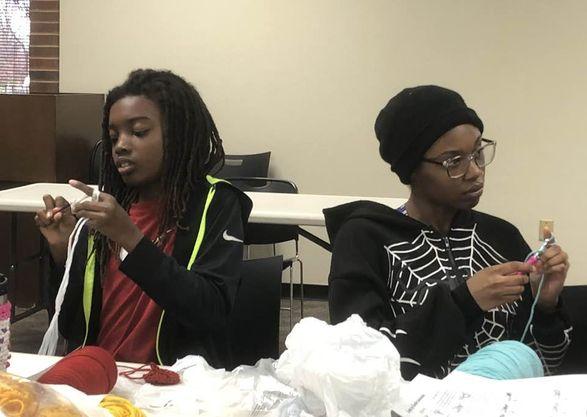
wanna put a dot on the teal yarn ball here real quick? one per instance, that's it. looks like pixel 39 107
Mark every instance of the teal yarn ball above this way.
pixel 508 359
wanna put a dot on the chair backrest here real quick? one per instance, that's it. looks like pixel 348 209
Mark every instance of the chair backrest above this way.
pixel 264 234
pixel 95 162
pixel 575 361
pixel 254 321
pixel 254 165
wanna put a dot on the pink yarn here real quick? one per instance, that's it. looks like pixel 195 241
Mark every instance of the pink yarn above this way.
pixel 5 311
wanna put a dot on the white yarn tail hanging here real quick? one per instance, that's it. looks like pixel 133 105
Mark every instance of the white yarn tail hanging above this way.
pixel 51 338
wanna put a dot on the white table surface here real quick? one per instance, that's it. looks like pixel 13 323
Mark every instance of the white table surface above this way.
pixel 28 364
pixel 274 208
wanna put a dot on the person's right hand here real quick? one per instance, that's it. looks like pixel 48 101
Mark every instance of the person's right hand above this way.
pixel 56 226
pixel 499 284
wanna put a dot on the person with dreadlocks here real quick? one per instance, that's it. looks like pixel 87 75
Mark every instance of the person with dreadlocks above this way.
pixel 155 270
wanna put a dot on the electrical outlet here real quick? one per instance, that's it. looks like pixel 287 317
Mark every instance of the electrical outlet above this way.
pixel 542 224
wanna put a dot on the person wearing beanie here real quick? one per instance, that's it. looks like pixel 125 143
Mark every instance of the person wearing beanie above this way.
pixel 438 278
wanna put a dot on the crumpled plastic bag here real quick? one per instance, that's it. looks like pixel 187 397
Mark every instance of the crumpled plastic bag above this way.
pixel 205 391
pixel 23 397
pixel 344 370
pixel 347 370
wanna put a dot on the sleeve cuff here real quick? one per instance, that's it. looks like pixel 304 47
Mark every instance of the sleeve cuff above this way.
pixel 142 261
pixel 546 320
pixel 467 304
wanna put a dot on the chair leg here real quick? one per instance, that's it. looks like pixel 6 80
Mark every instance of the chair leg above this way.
pixel 291 297
pixel 301 288
pixel 297 259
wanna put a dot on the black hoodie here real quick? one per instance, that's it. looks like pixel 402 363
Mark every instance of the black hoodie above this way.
pixel 407 280
pixel 197 301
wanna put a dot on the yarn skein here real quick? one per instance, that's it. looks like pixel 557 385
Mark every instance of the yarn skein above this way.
pixel 508 359
pixel 120 407
pixel 90 369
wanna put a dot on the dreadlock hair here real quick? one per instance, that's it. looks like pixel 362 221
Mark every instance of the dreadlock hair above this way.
pixel 191 147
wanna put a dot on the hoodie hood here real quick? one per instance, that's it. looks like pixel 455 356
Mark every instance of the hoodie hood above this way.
pixel 336 217
pixel 386 216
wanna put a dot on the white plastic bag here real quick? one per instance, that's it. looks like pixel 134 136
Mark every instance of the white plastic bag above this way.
pixel 205 391
pixel 51 337
pixel 344 370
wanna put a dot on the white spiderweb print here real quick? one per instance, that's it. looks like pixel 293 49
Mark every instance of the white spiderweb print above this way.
pixel 416 266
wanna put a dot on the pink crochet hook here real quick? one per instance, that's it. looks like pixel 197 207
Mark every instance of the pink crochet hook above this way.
pixel 535 256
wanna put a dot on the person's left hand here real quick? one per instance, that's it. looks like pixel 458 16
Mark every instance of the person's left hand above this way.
pixel 554 264
pixel 107 217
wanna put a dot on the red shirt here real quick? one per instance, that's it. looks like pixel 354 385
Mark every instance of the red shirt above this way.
pixel 129 317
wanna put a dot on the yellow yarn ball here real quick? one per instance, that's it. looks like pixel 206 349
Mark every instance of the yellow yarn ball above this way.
pixel 120 407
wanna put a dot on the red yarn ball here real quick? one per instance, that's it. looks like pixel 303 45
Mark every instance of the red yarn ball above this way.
pixel 90 369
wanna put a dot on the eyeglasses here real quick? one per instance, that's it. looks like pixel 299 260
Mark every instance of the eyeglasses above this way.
pixel 457 166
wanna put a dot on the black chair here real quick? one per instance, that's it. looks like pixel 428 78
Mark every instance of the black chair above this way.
pixel 254 165
pixel 254 322
pixel 575 361
pixel 95 162
pixel 265 234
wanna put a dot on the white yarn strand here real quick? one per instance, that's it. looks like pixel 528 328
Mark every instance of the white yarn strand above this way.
pixel 51 337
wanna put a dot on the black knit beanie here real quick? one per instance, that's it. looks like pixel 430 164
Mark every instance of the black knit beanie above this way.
pixel 413 120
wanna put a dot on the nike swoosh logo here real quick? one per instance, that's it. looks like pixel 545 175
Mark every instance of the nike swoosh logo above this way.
pixel 230 238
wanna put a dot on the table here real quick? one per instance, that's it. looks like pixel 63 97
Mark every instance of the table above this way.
pixel 458 393
pixel 28 364
pixel 273 208
pixel 31 366
pixel 270 208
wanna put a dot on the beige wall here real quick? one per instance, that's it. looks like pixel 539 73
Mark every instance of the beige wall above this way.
pixel 306 78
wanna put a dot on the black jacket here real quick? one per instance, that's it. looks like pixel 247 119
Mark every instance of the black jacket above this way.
pixel 197 302
pixel 408 281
